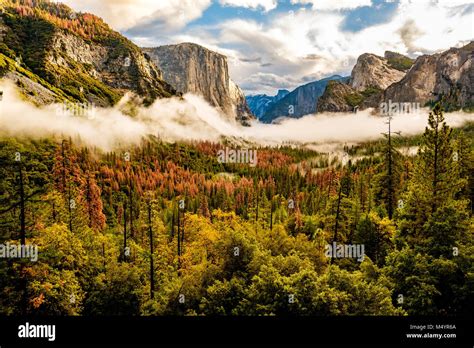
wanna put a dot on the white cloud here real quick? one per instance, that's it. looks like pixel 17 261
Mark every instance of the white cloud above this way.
pixel 266 82
pixel 331 5
pixel 293 45
pixel 267 5
pixel 448 3
pixel 124 14
pixel 313 43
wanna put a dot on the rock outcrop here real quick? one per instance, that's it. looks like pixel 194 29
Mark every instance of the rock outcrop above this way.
pixel 336 98
pixel 191 68
pixel 373 71
pixel 129 71
pixel 76 56
pixel 239 104
pixel 448 75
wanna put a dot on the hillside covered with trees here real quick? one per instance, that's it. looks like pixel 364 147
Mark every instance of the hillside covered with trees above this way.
pixel 54 54
pixel 165 229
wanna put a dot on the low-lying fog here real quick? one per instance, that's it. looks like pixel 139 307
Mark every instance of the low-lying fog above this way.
pixel 194 119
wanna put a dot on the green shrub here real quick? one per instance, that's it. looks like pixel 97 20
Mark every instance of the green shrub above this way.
pixel 401 63
pixel 354 99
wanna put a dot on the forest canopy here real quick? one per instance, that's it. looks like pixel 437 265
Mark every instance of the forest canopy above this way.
pixel 166 229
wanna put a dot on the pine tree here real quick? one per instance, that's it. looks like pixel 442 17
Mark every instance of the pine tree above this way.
pixel 433 190
pixel 67 178
pixel 388 181
pixel 435 231
pixel 149 204
pixel 204 207
pixel 93 202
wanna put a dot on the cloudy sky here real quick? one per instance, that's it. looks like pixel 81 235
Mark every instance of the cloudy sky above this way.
pixel 274 44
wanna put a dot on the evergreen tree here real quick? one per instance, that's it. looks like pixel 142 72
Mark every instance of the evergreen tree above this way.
pixel 432 193
pixel 435 229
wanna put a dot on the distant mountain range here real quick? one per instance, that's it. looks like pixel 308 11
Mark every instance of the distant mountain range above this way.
pixel 447 77
pixel 301 101
pixel 260 103
pixel 54 54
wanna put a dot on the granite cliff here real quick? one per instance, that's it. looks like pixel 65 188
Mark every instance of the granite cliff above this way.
pixel 191 68
pixel 447 77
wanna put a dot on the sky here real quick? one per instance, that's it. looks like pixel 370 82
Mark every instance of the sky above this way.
pixel 281 44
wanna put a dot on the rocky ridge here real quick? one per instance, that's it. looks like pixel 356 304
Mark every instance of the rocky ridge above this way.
pixel 74 55
pixel 447 77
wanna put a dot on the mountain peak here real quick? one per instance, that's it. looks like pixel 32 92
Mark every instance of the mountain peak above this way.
pixel 192 68
pixel 281 93
pixel 373 71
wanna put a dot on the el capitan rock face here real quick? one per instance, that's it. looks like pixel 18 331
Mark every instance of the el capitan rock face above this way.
pixel 239 104
pixel 191 68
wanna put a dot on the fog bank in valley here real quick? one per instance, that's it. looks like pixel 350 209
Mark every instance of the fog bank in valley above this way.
pixel 192 118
